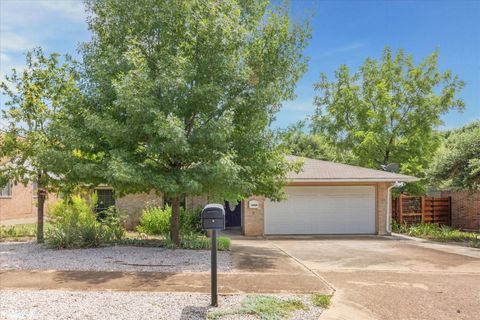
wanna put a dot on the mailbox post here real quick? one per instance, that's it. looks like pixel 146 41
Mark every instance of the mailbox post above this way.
pixel 213 219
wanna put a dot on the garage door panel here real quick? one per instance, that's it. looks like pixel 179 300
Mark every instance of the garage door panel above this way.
pixel 323 210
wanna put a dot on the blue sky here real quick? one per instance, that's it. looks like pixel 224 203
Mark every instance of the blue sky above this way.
pixel 344 32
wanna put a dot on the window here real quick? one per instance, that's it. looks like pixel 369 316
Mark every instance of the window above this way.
pixel 105 199
pixel 6 190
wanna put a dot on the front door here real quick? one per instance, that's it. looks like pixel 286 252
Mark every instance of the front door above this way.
pixel 233 214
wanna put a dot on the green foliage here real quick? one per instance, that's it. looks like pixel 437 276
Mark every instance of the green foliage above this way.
pixel 457 163
pixel 18 231
pixel 436 232
pixel 264 307
pixel 300 143
pixel 322 300
pixel 387 111
pixel 74 224
pixel 34 100
pixel 183 102
pixel 199 242
pixel 157 220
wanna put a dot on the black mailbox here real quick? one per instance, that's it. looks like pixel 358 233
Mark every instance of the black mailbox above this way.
pixel 213 217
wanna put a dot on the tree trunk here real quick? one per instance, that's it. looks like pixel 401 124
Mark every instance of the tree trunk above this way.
pixel 40 209
pixel 175 221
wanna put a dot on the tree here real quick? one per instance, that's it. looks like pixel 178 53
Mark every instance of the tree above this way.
pixel 387 111
pixel 457 162
pixel 299 142
pixel 180 94
pixel 36 96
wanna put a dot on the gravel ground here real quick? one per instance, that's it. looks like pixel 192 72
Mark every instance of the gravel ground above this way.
pixel 119 258
pixel 124 305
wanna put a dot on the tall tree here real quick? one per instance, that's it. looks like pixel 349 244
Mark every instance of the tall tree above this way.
pixel 180 95
pixel 387 111
pixel 457 162
pixel 299 142
pixel 35 97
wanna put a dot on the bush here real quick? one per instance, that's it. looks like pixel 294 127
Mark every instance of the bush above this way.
pixel 74 224
pixel 156 221
pixel 321 300
pixel 434 231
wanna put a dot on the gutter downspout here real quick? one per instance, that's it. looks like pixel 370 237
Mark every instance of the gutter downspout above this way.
pixel 397 184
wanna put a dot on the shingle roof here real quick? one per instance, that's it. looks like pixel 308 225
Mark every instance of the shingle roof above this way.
pixel 318 170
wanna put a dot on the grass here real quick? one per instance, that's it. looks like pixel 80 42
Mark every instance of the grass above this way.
pixel 14 232
pixel 321 300
pixel 436 232
pixel 193 242
pixel 264 307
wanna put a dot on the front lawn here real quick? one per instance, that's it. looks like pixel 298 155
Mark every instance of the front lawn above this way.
pixel 436 232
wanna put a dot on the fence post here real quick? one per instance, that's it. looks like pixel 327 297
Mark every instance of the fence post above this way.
pixel 450 210
pixel 400 209
pixel 433 210
pixel 422 207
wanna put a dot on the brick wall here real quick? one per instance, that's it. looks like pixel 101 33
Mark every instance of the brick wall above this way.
pixel 381 207
pixel 21 207
pixel 465 209
pixel 253 219
pixel 196 202
pixel 134 204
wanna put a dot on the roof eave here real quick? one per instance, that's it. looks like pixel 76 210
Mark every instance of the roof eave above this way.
pixel 402 179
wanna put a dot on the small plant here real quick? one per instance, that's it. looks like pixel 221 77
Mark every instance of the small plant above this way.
pixel 74 224
pixel 156 221
pixel 475 243
pixel 264 307
pixel 322 300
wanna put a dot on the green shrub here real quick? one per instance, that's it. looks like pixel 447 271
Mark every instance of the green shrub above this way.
pixel 322 300
pixel 436 232
pixel 156 221
pixel 74 224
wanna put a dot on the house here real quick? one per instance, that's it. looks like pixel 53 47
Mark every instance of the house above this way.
pixel 18 203
pixel 323 198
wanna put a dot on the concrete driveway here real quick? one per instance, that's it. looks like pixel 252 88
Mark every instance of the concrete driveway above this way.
pixel 379 278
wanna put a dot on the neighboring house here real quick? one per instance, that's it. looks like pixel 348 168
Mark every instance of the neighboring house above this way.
pixel 18 203
pixel 465 208
pixel 324 198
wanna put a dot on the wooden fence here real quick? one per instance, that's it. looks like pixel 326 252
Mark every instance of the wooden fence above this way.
pixel 413 210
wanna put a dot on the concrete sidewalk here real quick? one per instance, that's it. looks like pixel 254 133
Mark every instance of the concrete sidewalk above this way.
pixel 228 283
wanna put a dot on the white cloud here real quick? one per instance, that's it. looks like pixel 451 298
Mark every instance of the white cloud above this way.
pixel 71 9
pixel 10 41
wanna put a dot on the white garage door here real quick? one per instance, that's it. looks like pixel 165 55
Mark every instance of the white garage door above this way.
pixel 323 210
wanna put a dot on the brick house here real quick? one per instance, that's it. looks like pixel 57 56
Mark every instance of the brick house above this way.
pixel 324 198
pixel 18 203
